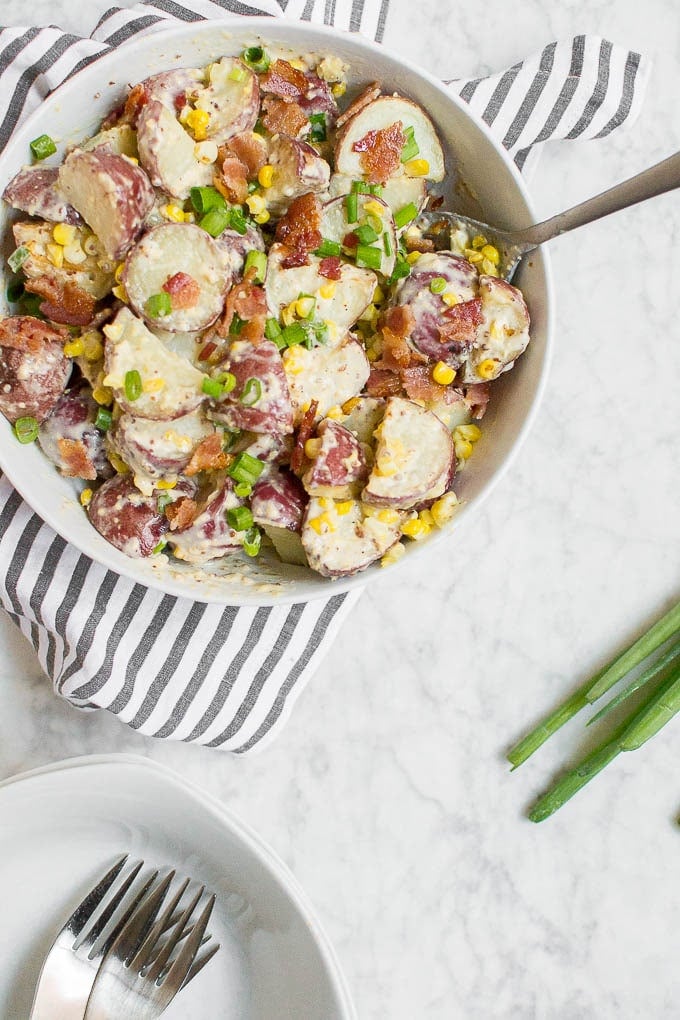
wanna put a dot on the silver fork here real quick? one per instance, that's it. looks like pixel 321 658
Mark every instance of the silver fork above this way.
pixel 69 969
pixel 155 955
pixel 512 245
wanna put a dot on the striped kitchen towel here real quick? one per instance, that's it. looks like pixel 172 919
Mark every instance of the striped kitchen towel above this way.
pixel 223 676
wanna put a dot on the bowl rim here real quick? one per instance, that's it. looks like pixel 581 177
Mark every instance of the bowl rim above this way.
pixel 322 588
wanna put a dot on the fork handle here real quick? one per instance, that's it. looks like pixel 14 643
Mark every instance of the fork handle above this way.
pixel 658 179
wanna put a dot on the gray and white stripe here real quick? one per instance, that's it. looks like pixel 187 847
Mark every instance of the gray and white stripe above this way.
pixel 218 675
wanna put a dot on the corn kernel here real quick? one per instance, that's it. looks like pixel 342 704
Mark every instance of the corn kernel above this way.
pixel 133 160
pixel 172 212
pixel 349 405
pixel 256 203
pixel 304 306
pixel 103 395
pixel 334 412
pixel 189 217
pixel 487 369
pixel 385 466
pixel 293 363
pixel 369 315
pixel 86 497
pixel 262 217
pixel 344 507
pixel 312 448
pixel 495 330
pixel 415 529
pixel 288 313
pixel 478 242
pixel 64 233
pixel 443 373
pixel 449 298
pixel 297 64
pixel 387 516
pixel 265 175
pixel 93 348
pixel 198 121
pixel 489 268
pixel 120 292
pixel 443 509
pixel 118 274
pixel 163 484
pixel 374 208
pixel 470 432
pixel 491 253
pixel 90 245
pixel 463 447
pixel 475 257
pixel 322 523
pixel 74 348
pixel 153 385
pixel 417 167
pixel 74 254
pixel 119 465
pixel 339 89
pixel 426 518
pixel 378 295
pixel 327 290
pixel 412 257
pixel 55 254
pixel 206 152
pixel 392 555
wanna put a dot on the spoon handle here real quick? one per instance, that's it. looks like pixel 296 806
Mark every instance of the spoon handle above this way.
pixel 662 177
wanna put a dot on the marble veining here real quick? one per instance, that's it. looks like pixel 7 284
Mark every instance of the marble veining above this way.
pixel 387 794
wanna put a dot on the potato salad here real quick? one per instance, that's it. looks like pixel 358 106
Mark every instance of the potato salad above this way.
pixel 226 323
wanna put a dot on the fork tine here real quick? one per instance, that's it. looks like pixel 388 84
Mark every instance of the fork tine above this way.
pixel 182 965
pixel 159 963
pixel 136 928
pixel 84 911
pixel 108 908
pixel 105 933
pixel 161 925
pixel 200 962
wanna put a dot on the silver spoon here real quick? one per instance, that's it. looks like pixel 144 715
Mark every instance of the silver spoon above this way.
pixel 512 245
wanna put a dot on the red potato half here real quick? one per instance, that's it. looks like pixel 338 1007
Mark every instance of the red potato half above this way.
pixel 233 103
pixel 126 518
pixel 413 458
pixel 279 500
pixel 33 368
pixel 335 226
pixel 329 375
pixel 210 536
pixel 504 332
pixel 298 169
pixel 351 296
pixel 397 192
pixel 157 449
pixel 167 152
pixel 380 114
pixel 340 540
pixel 263 406
pixel 171 87
pixel 34 191
pixel 339 466
pixel 171 386
pixel 169 249
pixel 111 193
pixel 69 439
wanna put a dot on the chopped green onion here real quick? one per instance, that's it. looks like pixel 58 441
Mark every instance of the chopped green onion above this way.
pixel 368 256
pixel 272 330
pixel 205 199
pixel 256 58
pixel 229 438
pixel 359 188
pixel 243 489
pixel 387 244
pixel 318 122
pixel 328 247
pixel 401 270
pixel 410 149
pixel 211 387
pixel 236 325
pixel 320 330
pixel 26 429
pixel 252 391
pixel 352 207
pixel 246 468
pixel 240 518
pixel 405 215
pixel 165 499
pixel 252 542
pixel 159 548
pixel 133 384
pixel 227 381
pixel 15 291
pixel 103 419
pixel 256 260
pixel 375 189
pixel 215 221
pixel 375 222
pixel 294 334
pixel 32 303
pixel 237 220
pixel 17 258
pixel 252 186
pixel 42 147
pixel 366 234
pixel 259 128
pixel 158 305
pixel 438 285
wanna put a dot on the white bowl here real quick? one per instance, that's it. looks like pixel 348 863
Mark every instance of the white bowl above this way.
pixel 75 110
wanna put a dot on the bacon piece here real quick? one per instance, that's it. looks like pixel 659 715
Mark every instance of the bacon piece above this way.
pixel 63 301
pixel 420 385
pixel 283 116
pixel 76 462
pixel 295 259
pixel 247 301
pixel 25 333
pixel 370 93
pixel 181 512
pixel 207 456
pixel 183 289
pixel 380 152
pixel 234 177
pixel 382 383
pixel 300 228
pixel 477 397
pixel 137 98
pixel 420 244
pixel 282 79
pixel 396 326
pixel 330 267
pixel 250 148
pixel 458 325
pixel 305 432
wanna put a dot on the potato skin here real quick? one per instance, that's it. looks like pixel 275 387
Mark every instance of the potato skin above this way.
pixel 34 191
pixel 33 368
pixel 73 420
pixel 127 519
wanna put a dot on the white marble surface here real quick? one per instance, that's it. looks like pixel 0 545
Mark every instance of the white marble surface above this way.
pixel 387 794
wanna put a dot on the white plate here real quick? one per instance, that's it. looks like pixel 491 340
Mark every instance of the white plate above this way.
pixel 61 826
